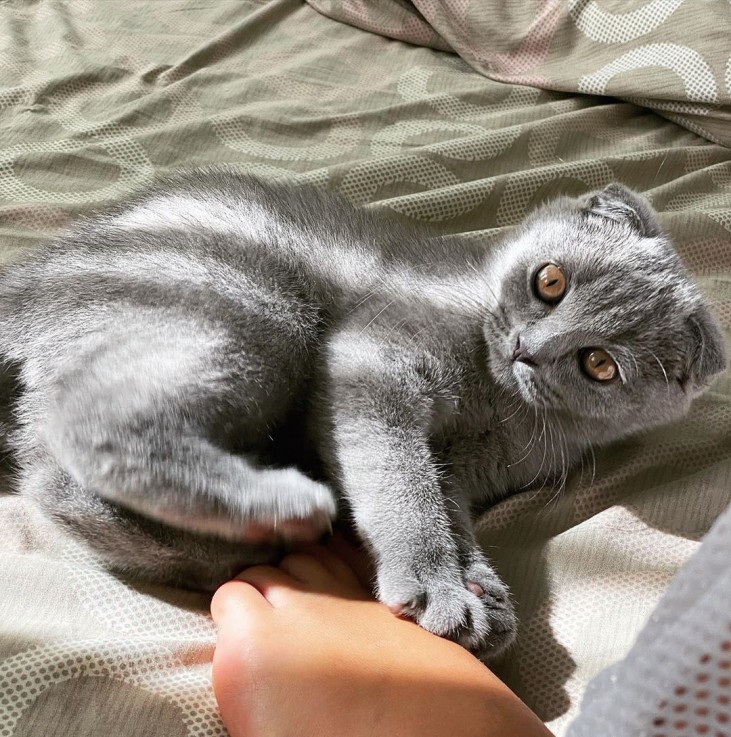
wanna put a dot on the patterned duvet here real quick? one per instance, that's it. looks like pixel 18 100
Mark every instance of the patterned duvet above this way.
pixel 463 114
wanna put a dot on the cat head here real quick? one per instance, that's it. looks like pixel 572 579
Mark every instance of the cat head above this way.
pixel 596 320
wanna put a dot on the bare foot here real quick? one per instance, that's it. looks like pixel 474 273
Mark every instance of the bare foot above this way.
pixel 304 651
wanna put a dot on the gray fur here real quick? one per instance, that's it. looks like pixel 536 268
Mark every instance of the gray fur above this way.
pixel 219 363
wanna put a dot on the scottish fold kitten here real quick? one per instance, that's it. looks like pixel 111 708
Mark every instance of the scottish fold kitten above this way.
pixel 213 368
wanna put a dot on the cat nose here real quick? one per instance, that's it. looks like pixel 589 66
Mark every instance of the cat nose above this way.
pixel 521 353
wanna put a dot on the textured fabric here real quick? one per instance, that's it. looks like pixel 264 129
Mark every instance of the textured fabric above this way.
pixel 673 56
pixel 85 655
pixel 676 680
pixel 95 98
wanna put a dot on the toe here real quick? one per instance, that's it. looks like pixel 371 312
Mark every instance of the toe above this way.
pixel 309 570
pixel 232 678
pixel 235 600
pixel 276 586
pixel 335 570
pixel 351 560
pixel 243 618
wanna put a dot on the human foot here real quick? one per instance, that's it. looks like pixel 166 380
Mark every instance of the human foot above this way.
pixel 304 651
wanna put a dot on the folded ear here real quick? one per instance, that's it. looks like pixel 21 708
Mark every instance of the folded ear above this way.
pixel 621 204
pixel 706 355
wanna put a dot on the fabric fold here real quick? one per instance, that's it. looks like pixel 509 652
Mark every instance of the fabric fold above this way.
pixel 671 56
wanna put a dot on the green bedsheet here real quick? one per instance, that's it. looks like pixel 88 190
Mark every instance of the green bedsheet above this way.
pixel 98 97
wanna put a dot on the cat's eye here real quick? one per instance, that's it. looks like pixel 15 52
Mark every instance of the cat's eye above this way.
pixel 549 283
pixel 598 364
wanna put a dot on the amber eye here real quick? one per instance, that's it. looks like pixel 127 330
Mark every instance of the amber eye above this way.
pixel 598 364
pixel 550 283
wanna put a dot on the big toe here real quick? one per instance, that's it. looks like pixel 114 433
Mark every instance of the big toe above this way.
pixel 236 603
pixel 239 611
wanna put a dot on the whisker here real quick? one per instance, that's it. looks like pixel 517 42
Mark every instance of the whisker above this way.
pixel 593 470
pixel 529 444
pixel 543 460
pixel 662 368
pixel 515 412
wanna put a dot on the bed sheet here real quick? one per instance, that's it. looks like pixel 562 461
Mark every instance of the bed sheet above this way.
pixel 97 98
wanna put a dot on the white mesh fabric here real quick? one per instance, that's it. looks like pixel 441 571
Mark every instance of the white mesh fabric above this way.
pixel 676 680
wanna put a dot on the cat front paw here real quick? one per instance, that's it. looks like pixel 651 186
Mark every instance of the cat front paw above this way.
pixel 483 582
pixel 473 610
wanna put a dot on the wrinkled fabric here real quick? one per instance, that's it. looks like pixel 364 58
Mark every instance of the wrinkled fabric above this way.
pixel 672 56
pixel 97 98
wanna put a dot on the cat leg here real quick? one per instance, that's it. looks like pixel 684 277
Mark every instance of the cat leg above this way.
pixel 381 413
pixel 163 467
pixel 134 545
pixel 152 419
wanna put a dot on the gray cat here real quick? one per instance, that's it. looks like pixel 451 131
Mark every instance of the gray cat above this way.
pixel 216 366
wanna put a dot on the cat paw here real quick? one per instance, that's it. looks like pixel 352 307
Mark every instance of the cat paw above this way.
pixel 286 508
pixel 287 530
pixel 482 581
pixel 473 610
pixel 303 514
pixel 444 606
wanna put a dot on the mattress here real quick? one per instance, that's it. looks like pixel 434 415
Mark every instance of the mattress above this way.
pixel 404 107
